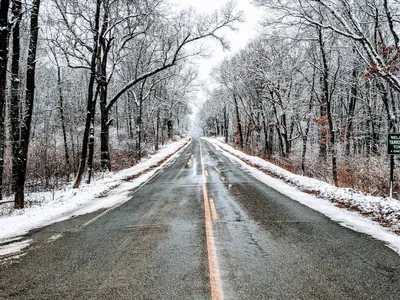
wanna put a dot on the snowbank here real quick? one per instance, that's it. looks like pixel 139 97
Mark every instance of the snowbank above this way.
pixel 325 197
pixel 52 207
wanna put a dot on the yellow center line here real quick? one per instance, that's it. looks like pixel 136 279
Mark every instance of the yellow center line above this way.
pixel 205 172
pixel 215 278
pixel 214 214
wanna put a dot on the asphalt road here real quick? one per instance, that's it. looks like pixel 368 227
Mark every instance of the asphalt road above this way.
pixel 203 228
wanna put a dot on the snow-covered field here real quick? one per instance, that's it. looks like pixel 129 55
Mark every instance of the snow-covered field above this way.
pixel 52 207
pixel 376 216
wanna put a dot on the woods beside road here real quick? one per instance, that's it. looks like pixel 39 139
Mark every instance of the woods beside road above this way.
pixel 113 80
pixel 316 92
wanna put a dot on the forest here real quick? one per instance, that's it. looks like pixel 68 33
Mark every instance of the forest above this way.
pixel 317 91
pixel 90 86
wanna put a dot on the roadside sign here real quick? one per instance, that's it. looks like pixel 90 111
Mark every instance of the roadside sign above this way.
pixel 394 143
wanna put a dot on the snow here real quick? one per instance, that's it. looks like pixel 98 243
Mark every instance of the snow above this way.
pixel 327 197
pixel 14 247
pixel 59 205
pixel 55 237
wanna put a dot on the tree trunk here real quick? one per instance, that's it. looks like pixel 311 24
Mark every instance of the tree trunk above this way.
pixel 265 129
pixel 2 142
pixel 326 105
pixel 285 134
pixel 139 131
pixel 105 143
pixel 74 151
pixel 239 124
pixel 130 115
pixel 91 152
pixel 305 136
pixel 116 118
pixel 278 129
pixel 325 97
pixel 162 132
pixel 170 128
pixel 322 133
pixel 62 117
pixel 385 99
pixel 105 124
pixel 15 101
pixel 29 100
pixel 102 89
pixel 226 125
pixel 157 131
pixel 375 128
pixel 91 138
pixel 270 141
pixel 4 34
pixel 90 108
pixel 396 117
pixel 248 135
pixel 350 116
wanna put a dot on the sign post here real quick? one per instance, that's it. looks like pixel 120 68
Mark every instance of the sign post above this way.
pixel 393 149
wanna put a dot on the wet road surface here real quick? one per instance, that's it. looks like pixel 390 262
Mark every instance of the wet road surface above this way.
pixel 202 229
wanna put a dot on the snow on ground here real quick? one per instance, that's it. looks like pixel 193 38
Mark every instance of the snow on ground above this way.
pixel 303 189
pixel 63 204
pixel 14 247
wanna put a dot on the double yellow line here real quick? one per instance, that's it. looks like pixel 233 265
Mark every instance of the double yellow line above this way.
pixel 210 213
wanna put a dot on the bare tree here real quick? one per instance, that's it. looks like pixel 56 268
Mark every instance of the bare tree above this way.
pixel 4 34
pixel 29 101
pixel 15 98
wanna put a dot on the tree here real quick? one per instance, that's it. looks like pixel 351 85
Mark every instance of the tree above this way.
pixel 15 97
pixel 4 33
pixel 25 125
